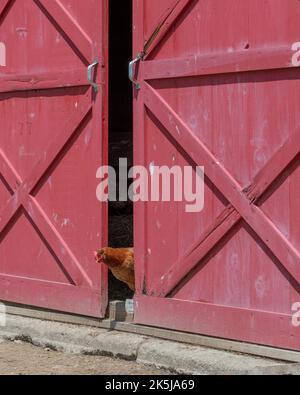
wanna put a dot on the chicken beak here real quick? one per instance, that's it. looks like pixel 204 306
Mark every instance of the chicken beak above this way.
pixel 97 257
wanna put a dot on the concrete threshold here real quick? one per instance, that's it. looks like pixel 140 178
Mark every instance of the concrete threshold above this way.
pixel 173 356
pixel 120 320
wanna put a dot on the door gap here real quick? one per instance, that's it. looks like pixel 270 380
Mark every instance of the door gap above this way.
pixel 120 230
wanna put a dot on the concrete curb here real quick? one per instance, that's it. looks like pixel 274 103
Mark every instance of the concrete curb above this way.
pixel 174 357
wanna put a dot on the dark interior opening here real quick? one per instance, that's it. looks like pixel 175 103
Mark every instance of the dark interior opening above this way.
pixel 120 128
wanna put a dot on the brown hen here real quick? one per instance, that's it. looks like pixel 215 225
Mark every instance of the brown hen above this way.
pixel 121 263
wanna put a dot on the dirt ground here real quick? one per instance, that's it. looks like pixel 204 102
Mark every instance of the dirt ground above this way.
pixel 24 359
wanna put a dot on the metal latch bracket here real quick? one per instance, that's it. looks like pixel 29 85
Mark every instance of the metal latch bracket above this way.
pixel 90 75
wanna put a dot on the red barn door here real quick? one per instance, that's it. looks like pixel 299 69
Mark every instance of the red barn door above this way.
pixel 53 138
pixel 219 89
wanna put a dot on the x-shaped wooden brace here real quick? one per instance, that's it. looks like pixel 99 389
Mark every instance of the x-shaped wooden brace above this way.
pixel 23 196
pixel 242 202
pixel 163 26
pixel 66 23
pixel 3 6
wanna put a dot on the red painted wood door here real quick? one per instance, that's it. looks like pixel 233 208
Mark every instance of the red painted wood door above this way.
pixel 219 90
pixel 53 137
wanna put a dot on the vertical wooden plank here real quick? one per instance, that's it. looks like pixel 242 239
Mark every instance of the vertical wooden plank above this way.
pixel 139 150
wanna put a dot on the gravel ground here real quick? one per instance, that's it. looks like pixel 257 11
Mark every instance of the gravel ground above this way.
pixel 19 358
